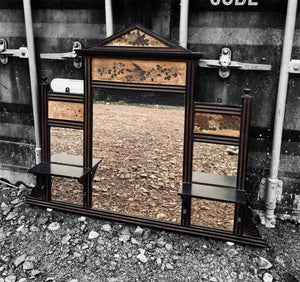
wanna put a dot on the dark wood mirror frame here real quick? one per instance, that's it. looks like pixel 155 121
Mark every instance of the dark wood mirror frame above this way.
pixel 146 52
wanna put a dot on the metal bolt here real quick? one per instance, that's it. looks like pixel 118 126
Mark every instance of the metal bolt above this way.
pixel 23 54
pixel 225 51
pixel 296 67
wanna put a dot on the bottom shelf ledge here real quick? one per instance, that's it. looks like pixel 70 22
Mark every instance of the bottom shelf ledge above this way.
pixel 215 193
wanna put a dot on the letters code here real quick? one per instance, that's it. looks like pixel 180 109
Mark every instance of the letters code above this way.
pixel 234 2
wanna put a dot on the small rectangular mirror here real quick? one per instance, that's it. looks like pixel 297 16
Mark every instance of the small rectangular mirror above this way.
pixel 212 214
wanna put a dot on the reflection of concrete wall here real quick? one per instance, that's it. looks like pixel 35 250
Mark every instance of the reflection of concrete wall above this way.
pixel 254 34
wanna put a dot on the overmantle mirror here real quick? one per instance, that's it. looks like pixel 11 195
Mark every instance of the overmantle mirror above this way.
pixel 150 154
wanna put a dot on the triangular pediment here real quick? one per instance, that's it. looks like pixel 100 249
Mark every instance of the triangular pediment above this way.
pixel 137 36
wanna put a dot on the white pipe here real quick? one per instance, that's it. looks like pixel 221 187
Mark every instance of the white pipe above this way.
pixel 33 77
pixel 280 110
pixel 109 18
pixel 183 24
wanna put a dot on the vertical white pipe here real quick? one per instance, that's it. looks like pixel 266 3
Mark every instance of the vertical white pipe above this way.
pixel 109 18
pixel 183 24
pixel 33 77
pixel 280 107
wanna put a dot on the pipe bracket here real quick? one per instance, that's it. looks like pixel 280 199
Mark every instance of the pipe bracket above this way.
pixel 294 66
pixel 22 52
pixel 224 64
pixel 77 61
pixel 278 184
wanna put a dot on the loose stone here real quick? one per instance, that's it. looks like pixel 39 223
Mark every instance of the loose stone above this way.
pixel 106 227
pixel 169 247
pixel 28 265
pixel 53 226
pixel 34 228
pixel 267 277
pixel 93 235
pixel 15 201
pixel 19 260
pixel 11 215
pixel 138 232
pixel 169 266
pixel 124 238
pixel 264 263
pixel 66 239
pixel 142 258
pixel 134 241
pixel 232 252
pixel 158 261
pixel 10 278
pixel 2 235
pixel 35 272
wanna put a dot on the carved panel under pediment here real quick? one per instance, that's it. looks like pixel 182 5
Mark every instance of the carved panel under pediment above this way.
pixel 136 38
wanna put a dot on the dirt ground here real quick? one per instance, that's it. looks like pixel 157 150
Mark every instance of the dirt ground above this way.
pixel 141 170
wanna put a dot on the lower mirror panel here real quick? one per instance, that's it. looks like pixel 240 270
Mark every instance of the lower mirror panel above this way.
pixel 212 214
pixel 138 201
pixel 66 190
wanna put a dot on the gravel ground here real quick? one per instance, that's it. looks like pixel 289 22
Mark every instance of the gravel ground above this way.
pixel 46 245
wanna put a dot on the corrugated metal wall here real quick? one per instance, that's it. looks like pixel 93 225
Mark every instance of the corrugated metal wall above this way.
pixel 254 33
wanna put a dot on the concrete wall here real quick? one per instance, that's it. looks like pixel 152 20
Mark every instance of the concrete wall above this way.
pixel 254 33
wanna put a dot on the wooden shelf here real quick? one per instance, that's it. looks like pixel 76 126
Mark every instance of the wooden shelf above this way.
pixel 59 170
pixel 215 193
pixel 214 179
pixel 64 166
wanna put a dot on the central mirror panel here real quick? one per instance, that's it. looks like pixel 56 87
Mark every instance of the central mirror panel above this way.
pixel 141 147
